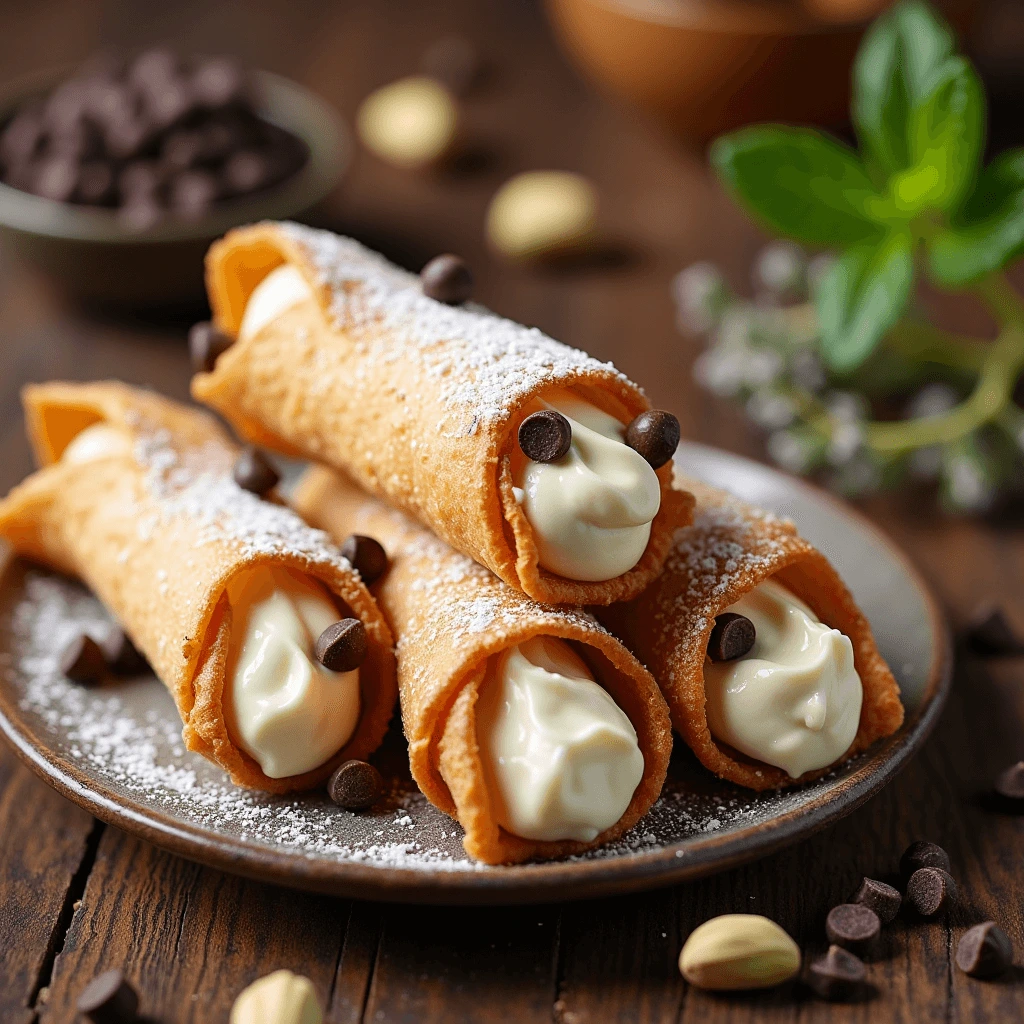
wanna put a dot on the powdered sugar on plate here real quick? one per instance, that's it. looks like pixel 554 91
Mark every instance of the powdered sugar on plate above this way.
pixel 125 740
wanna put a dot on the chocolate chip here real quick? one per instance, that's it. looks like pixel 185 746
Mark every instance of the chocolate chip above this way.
pixel 121 654
pixel 109 999
pixel 168 105
pixel 56 178
pixel 127 137
pixel 930 891
pixel 447 279
pixel 922 854
pixel 247 171
pixel 342 646
pixel 140 213
pixel 82 660
pixel 141 178
pixel 654 435
pixel 192 193
pixel 455 62
pixel 182 149
pixel 254 473
pixel 883 899
pixel 21 138
pixel 153 68
pixel 367 556
pixel 218 82
pixel 205 345
pixel 990 634
pixel 355 785
pixel 731 637
pixel 545 436
pixel 95 184
pixel 984 951
pixel 1010 784
pixel 853 926
pixel 836 975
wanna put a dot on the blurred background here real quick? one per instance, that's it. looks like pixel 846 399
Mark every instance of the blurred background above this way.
pixel 625 94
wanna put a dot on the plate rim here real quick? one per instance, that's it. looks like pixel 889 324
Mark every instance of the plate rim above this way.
pixel 545 882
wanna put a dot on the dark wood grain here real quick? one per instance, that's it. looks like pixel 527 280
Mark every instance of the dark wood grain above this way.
pixel 191 937
pixel 46 848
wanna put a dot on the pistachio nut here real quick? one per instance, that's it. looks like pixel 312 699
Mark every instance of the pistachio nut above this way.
pixel 279 998
pixel 737 951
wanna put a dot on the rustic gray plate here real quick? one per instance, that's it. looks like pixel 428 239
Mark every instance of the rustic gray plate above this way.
pixel 117 751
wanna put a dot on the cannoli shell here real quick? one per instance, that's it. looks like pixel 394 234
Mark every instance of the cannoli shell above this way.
pixel 158 533
pixel 450 615
pixel 730 549
pixel 417 402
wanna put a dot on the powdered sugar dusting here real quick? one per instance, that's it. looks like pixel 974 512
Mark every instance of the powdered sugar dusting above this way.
pixel 197 483
pixel 486 363
pixel 727 541
pixel 126 739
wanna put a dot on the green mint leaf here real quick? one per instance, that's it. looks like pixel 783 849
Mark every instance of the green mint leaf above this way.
pixel 988 234
pixel 896 67
pixel 861 297
pixel 946 137
pixel 800 183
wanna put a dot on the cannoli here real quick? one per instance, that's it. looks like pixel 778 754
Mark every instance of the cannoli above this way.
pixel 770 669
pixel 539 462
pixel 530 724
pixel 225 593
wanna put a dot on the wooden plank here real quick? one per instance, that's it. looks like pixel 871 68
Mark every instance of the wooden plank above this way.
pixel 191 938
pixel 475 965
pixel 46 846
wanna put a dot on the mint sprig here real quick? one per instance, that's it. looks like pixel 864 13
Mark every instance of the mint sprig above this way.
pixel 911 202
pixel 919 112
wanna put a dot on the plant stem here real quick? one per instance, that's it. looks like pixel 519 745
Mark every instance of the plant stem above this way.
pixel 921 342
pixel 999 370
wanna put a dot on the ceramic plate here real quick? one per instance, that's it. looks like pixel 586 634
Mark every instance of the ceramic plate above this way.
pixel 117 750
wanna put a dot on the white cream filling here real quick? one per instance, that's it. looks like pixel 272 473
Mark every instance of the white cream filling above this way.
pixel 281 289
pixel 794 700
pixel 590 510
pixel 561 758
pixel 283 708
pixel 100 441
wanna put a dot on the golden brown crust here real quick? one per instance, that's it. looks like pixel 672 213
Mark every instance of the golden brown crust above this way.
pixel 731 548
pixel 417 402
pixel 450 615
pixel 157 535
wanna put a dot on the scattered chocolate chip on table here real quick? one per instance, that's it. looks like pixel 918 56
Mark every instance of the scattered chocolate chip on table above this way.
pixel 931 891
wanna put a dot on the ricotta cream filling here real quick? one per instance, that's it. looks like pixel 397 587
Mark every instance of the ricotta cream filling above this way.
pixel 793 701
pixel 560 757
pixel 100 441
pixel 279 290
pixel 590 510
pixel 283 708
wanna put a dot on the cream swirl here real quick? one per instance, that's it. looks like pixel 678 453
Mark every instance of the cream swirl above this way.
pixel 590 510
pixel 794 700
pixel 283 708
pixel 281 289
pixel 560 757
pixel 100 441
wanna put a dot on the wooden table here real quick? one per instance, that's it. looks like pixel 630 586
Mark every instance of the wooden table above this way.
pixel 78 897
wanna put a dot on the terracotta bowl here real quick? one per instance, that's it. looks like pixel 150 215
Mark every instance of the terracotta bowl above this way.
pixel 703 67
pixel 90 254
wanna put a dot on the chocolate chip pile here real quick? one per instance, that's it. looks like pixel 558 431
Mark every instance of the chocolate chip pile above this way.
pixel 853 928
pixel 155 137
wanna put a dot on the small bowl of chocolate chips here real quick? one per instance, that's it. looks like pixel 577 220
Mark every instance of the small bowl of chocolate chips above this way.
pixel 116 177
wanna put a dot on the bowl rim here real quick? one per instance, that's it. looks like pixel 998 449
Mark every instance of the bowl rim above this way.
pixel 726 17
pixel 281 99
